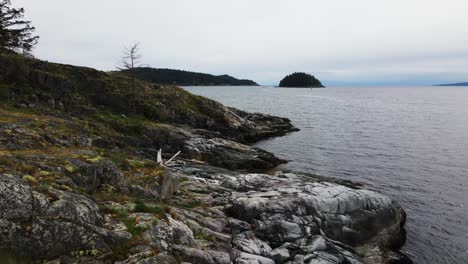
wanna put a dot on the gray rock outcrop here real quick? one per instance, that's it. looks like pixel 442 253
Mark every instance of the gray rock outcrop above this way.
pixel 51 224
pixel 246 218
pixel 286 218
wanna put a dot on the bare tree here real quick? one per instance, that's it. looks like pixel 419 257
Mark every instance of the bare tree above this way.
pixel 131 60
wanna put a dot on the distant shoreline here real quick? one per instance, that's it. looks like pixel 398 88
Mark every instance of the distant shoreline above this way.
pixel 216 85
pixel 310 87
pixel 185 78
pixel 453 84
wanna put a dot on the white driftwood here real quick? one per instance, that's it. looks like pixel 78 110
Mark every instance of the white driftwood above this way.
pixel 173 157
pixel 160 160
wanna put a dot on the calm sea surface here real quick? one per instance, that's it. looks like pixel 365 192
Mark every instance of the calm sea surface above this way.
pixel 410 143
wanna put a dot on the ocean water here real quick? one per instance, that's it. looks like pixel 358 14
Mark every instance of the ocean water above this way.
pixel 409 143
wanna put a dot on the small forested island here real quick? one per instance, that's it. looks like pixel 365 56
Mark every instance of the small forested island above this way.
pixel 453 84
pixel 301 79
pixel 185 78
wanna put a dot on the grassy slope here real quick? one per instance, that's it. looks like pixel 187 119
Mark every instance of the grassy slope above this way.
pixel 77 90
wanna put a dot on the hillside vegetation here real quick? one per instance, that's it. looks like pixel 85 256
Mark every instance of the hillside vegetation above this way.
pixel 300 80
pixel 79 91
pixel 185 78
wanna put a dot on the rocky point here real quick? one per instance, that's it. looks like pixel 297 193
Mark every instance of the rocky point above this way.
pixel 79 181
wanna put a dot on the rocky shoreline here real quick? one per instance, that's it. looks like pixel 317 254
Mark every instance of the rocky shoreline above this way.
pixel 214 216
pixel 198 213
pixel 79 182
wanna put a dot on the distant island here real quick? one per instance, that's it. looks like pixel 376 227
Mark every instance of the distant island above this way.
pixel 186 78
pixel 300 79
pixel 453 84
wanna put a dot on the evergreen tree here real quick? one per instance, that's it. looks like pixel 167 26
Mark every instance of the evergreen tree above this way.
pixel 15 33
pixel 300 79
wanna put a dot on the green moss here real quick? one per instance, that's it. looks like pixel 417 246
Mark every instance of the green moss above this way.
pixel 141 207
pixel 132 228
pixel 121 251
pixel 109 194
pixel 8 258
pixel 4 93
pixel 135 164
pixel 70 168
pixel 29 178
pixel 63 187
pixel 26 168
pixel 179 259
pixel 192 204
pixel 7 161
pixel 128 124
pixel 120 212
pixel 94 159
pixel 37 124
pixel 45 173
pixel 119 158
pixel 183 179
pixel 203 236
pixel 43 188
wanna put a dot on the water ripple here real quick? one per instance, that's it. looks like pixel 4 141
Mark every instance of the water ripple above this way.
pixel 408 143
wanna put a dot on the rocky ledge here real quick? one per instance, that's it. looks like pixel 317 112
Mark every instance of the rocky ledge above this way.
pixel 215 216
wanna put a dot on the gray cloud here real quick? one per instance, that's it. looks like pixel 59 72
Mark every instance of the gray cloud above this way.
pixel 417 41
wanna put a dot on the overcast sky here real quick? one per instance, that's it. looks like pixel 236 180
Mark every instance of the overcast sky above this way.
pixel 339 41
